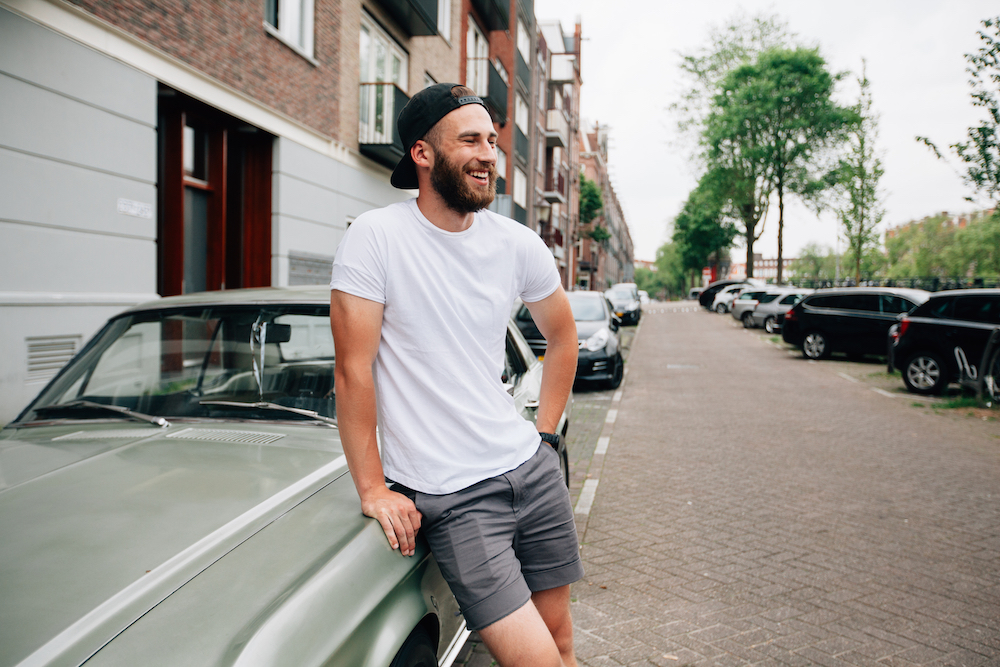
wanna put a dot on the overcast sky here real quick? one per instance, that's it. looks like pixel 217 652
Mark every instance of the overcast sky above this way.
pixel 914 50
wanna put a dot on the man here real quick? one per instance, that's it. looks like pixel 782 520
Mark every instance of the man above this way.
pixel 421 295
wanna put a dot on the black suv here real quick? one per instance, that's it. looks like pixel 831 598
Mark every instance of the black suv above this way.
pixel 944 336
pixel 854 320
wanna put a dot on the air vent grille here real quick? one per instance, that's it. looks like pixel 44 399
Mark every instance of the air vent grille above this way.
pixel 223 435
pixel 48 354
pixel 119 434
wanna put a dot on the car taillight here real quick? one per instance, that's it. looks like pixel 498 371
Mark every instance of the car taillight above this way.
pixel 790 315
pixel 904 324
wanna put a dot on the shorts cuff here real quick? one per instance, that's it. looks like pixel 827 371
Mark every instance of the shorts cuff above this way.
pixel 499 605
pixel 556 577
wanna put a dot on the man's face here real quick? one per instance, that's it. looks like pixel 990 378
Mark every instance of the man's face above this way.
pixel 464 171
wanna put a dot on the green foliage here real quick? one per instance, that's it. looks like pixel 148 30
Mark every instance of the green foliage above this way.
pixel 980 153
pixel 815 263
pixel 775 116
pixel 591 201
pixel 599 234
pixel 855 181
pixel 701 228
pixel 933 248
pixel 670 270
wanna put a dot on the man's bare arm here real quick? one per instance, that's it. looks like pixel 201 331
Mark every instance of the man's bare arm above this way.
pixel 554 319
pixel 357 327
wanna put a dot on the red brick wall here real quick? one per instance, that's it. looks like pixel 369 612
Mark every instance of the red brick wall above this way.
pixel 226 40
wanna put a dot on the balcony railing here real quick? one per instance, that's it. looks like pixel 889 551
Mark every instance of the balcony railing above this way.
pixel 521 145
pixel 496 95
pixel 552 236
pixel 417 17
pixel 555 186
pixel 495 13
pixel 520 214
pixel 563 68
pixel 378 136
pixel 521 70
pixel 556 129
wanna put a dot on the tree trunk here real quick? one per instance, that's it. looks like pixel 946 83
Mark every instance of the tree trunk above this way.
pixel 750 240
pixel 781 225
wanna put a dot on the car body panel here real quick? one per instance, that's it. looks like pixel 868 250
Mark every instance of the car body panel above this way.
pixel 779 306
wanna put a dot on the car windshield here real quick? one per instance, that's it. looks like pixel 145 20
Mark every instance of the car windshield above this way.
pixel 586 309
pixel 183 362
pixel 620 295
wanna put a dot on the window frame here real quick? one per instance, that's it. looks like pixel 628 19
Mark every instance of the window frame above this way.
pixel 279 13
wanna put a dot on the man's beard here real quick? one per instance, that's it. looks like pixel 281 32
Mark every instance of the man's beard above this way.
pixel 448 180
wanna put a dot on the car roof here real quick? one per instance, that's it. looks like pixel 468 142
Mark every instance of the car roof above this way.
pixel 920 294
pixel 990 291
pixel 300 294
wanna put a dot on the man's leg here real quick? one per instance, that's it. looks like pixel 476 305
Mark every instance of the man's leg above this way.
pixel 553 606
pixel 522 639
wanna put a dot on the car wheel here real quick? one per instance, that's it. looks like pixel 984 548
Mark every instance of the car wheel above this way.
pixel 417 651
pixel 748 320
pixel 619 373
pixel 769 325
pixel 924 373
pixel 815 346
pixel 721 308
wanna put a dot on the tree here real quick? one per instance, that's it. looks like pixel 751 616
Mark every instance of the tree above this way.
pixel 980 153
pixel 815 263
pixel 858 201
pixel 701 229
pixel 591 201
pixel 780 109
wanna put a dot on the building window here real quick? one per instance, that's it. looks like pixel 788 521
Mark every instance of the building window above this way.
pixel 521 113
pixel 292 22
pixel 444 19
pixel 520 188
pixel 523 41
pixel 501 163
pixel 477 50
pixel 428 80
pixel 383 64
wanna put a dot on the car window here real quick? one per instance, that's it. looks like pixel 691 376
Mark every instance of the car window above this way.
pixel 978 308
pixel 790 299
pixel 940 308
pixel 523 314
pixel 514 365
pixel 768 298
pixel 893 305
pixel 867 302
pixel 586 309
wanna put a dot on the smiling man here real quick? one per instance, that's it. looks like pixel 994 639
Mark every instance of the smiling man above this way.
pixel 421 295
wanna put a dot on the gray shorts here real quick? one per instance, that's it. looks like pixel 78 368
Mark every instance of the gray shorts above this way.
pixel 501 540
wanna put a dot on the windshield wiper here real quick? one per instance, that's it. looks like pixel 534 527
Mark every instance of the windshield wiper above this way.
pixel 266 405
pixel 123 411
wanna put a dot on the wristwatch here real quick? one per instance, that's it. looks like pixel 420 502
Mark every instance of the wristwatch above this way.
pixel 551 438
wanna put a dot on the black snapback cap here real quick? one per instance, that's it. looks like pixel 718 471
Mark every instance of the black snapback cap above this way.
pixel 420 114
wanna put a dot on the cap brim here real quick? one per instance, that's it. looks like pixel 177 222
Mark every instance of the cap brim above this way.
pixel 404 176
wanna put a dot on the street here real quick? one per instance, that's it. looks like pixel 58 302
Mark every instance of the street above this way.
pixel 738 505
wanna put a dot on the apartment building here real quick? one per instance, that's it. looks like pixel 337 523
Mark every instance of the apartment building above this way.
pixel 609 260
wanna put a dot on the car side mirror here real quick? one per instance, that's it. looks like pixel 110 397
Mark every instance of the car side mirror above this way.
pixel 616 322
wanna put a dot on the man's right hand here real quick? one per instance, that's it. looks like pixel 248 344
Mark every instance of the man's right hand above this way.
pixel 398 516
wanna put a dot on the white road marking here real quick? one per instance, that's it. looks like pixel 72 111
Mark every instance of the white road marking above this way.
pixel 612 416
pixel 618 396
pixel 883 392
pixel 848 377
pixel 586 500
pixel 602 445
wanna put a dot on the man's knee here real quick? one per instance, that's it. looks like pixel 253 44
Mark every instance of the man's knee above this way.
pixel 523 639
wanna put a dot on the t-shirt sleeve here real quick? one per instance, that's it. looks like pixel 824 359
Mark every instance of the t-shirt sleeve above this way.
pixel 359 265
pixel 541 278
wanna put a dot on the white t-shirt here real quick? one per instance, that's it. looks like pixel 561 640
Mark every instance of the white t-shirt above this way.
pixel 445 420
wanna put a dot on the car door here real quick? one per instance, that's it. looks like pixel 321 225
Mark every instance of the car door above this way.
pixel 859 324
pixel 975 317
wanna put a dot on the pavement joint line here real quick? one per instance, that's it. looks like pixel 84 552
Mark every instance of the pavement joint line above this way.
pixel 586 500
pixel 849 377
pixel 602 445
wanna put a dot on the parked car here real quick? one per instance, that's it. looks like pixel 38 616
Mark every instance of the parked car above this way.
pixel 182 477
pixel 944 336
pixel 694 293
pixel 643 297
pixel 600 357
pixel 742 307
pixel 707 297
pixel 724 298
pixel 854 320
pixel 625 301
pixel 765 314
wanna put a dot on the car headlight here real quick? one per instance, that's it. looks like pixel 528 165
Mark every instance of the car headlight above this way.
pixel 598 340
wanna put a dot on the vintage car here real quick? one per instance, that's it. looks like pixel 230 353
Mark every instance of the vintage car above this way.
pixel 178 495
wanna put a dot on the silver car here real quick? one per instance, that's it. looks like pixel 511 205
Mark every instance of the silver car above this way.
pixel 765 314
pixel 743 305
pixel 178 495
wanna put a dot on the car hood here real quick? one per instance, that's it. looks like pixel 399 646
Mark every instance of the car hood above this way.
pixel 587 328
pixel 103 522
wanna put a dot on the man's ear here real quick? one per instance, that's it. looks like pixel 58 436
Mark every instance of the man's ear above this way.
pixel 422 154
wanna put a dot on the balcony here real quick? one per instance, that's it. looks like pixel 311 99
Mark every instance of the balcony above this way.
pixel 495 13
pixel 417 17
pixel 503 204
pixel 378 136
pixel 496 96
pixel 552 236
pixel 520 214
pixel 556 129
pixel 521 145
pixel 522 71
pixel 563 68
pixel 555 186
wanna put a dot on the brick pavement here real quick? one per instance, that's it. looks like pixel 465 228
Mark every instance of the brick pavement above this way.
pixel 755 509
